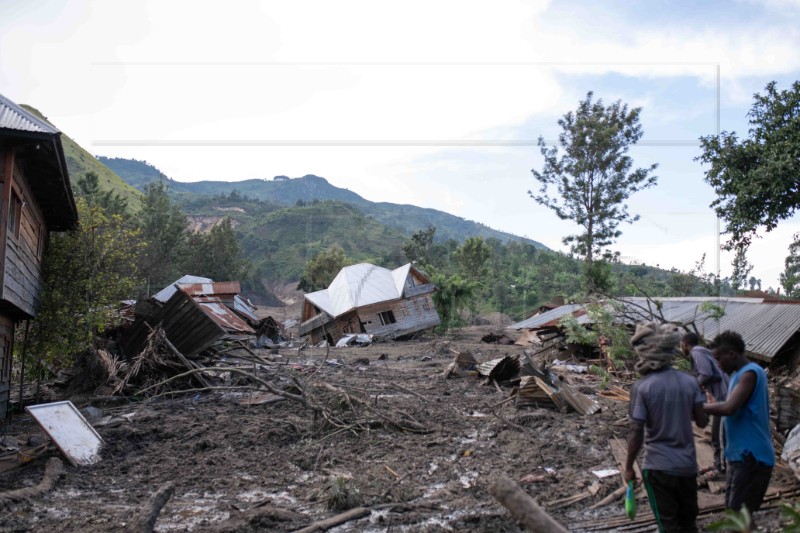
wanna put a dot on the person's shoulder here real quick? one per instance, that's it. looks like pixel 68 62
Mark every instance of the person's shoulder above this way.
pixel 701 351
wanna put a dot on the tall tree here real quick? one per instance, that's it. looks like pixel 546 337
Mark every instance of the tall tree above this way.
pixel 593 176
pixel 164 232
pixel 790 277
pixel 418 248
pixel 757 179
pixel 741 268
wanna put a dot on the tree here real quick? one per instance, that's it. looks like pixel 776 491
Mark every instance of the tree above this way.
pixel 593 177
pixel 418 249
pixel 741 268
pixel 472 257
pixel 454 295
pixel 88 187
pixel 164 232
pixel 790 277
pixel 321 270
pixel 757 179
pixel 87 271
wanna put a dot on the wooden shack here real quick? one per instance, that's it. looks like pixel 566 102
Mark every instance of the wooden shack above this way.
pixel 36 199
pixel 365 298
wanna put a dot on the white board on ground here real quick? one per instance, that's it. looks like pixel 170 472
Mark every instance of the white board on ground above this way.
pixel 67 428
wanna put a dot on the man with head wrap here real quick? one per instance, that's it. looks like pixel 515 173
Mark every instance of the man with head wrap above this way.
pixel 663 404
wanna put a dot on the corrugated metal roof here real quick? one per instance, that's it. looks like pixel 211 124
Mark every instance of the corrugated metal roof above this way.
pixel 360 285
pixel 223 316
pixel 765 326
pixel 243 307
pixel 215 288
pixel 166 293
pixel 13 117
pixel 540 320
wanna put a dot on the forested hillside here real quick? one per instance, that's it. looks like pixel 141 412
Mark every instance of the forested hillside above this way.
pixel 290 191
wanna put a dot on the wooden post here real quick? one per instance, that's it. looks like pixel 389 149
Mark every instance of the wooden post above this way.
pixel 523 508
pixel 22 364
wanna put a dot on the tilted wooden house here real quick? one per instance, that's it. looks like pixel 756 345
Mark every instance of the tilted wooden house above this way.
pixel 36 199
pixel 365 298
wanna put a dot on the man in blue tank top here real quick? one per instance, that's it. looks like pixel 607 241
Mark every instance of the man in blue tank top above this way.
pixel 748 446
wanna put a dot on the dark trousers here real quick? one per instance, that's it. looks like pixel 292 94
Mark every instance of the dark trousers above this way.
pixel 673 500
pixel 747 483
pixel 716 442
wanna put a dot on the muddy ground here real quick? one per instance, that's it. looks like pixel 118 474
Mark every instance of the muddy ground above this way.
pixel 270 467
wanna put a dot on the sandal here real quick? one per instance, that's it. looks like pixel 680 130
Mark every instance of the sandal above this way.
pixel 710 474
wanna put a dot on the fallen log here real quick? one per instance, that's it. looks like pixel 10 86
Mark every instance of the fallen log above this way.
pixel 52 471
pixel 328 523
pixel 146 521
pixel 523 508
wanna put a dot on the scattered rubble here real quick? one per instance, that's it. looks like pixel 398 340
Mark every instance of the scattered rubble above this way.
pixel 252 437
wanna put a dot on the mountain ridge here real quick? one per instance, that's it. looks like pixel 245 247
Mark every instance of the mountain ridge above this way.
pixel 296 191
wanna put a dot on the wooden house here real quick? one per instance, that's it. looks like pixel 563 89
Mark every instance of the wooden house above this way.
pixel 36 199
pixel 365 298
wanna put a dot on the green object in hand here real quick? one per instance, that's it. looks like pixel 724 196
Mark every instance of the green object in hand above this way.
pixel 630 501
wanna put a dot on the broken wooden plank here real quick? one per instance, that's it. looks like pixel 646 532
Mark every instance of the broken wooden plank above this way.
pixel 522 507
pixel 619 450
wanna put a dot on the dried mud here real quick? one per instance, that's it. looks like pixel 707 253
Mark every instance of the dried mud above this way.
pixel 262 468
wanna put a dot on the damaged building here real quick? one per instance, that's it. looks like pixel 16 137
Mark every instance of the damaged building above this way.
pixel 365 298
pixel 197 313
pixel 36 199
pixel 769 327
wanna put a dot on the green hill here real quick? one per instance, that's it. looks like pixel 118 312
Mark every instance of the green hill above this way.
pixel 288 191
pixel 79 162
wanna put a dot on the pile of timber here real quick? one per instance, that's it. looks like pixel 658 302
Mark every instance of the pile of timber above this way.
pixel 613 392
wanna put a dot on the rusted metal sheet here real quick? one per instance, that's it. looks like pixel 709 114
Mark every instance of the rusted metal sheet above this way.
pixel 224 317
pixel 215 288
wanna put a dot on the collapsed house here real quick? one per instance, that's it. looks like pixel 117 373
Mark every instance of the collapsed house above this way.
pixel 36 199
pixel 197 313
pixel 770 328
pixel 365 298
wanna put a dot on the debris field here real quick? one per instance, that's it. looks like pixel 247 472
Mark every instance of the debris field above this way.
pixel 384 442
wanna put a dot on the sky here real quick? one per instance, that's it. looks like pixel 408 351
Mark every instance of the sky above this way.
pixel 435 104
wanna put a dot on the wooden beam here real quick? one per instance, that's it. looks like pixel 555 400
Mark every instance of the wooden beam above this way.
pixel 522 507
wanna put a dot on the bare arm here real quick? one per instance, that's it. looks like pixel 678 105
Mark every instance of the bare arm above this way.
pixel 635 441
pixel 736 398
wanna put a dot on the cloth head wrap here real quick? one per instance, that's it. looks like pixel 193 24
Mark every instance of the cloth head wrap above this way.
pixel 655 344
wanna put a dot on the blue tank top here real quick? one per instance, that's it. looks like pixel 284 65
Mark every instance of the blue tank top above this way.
pixel 747 431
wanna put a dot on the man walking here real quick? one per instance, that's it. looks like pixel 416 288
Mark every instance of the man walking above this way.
pixel 748 441
pixel 713 381
pixel 663 404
